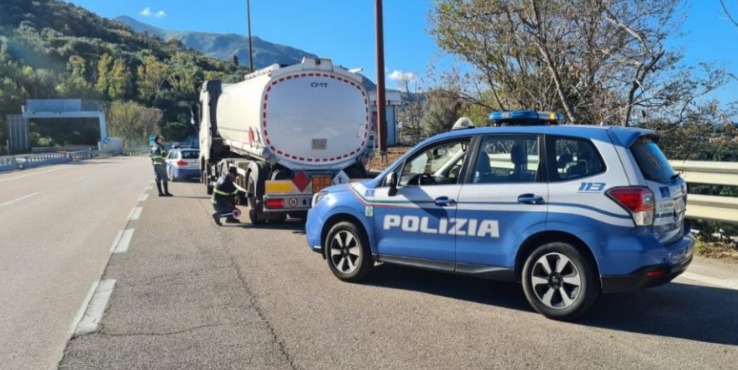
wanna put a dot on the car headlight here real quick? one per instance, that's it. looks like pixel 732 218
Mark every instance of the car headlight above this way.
pixel 318 197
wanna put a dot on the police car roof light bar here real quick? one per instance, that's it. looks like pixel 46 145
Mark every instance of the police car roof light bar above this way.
pixel 524 118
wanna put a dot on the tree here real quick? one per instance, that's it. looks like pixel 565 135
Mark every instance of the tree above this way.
pixel 595 60
pixel 151 77
pixel 443 110
pixel 410 112
pixel 120 80
pixel 132 122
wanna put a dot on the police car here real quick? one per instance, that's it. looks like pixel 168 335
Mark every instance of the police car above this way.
pixel 569 211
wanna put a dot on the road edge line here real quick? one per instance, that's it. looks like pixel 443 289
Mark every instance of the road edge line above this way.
pixel 124 242
pixel 711 280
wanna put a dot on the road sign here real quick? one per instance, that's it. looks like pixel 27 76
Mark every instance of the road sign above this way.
pixel 106 140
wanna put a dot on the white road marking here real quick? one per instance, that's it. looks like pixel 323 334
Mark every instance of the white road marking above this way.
pixel 80 179
pixel 17 200
pixel 116 241
pixel 711 280
pixel 33 174
pixel 135 214
pixel 93 308
pixel 125 239
pixel 143 197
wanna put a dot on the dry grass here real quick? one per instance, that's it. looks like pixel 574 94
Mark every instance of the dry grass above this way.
pixel 717 251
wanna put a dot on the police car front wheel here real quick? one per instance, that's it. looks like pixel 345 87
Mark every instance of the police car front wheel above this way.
pixel 347 252
pixel 559 282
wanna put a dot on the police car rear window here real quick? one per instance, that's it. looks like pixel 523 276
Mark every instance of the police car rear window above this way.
pixel 651 160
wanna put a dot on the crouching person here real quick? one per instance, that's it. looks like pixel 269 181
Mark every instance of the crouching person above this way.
pixel 224 197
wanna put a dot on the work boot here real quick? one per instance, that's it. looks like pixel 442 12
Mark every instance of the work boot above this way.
pixel 166 190
pixel 216 218
pixel 158 187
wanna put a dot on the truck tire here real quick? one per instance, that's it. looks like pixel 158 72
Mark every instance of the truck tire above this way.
pixel 254 212
pixel 205 179
pixel 559 282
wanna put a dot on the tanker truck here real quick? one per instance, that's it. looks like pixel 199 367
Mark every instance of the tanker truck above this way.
pixel 290 130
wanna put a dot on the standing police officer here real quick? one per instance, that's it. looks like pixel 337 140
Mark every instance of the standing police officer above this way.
pixel 158 155
pixel 224 197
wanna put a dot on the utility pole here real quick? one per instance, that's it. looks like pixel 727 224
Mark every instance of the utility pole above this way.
pixel 251 53
pixel 381 100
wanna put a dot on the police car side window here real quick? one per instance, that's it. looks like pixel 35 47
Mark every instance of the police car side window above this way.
pixel 576 158
pixel 507 159
pixel 437 164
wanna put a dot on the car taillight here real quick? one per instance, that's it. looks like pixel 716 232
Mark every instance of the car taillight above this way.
pixel 638 201
pixel 181 163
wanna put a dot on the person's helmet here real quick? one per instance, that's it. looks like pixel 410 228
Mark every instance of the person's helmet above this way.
pixel 233 170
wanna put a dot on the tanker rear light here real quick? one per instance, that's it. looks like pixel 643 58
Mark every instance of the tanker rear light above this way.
pixel 276 203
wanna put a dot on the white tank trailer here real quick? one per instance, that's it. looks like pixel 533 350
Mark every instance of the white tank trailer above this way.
pixel 290 130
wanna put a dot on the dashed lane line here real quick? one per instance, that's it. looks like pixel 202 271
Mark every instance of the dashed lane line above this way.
pixel 122 243
pixel 143 197
pixel 92 310
pixel 18 200
pixel 135 214
pixel 33 174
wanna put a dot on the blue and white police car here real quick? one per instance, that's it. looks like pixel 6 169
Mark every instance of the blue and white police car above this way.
pixel 569 211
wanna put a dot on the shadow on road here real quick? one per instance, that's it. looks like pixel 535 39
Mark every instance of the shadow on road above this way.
pixel 699 313
pixel 295 225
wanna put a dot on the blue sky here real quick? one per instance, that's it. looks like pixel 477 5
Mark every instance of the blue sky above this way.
pixel 343 30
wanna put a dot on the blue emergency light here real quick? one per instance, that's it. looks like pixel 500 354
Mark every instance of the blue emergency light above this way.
pixel 524 118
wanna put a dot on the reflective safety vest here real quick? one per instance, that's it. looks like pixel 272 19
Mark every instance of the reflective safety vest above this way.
pixel 224 190
pixel 157 155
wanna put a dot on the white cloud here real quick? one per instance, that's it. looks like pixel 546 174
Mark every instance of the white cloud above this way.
pixel 147 12
pixel 402 76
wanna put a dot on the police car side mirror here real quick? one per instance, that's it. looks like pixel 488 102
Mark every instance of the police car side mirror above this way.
pixel 391 181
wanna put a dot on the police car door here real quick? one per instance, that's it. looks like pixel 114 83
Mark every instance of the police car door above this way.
pixel 413 225
pixel 502 201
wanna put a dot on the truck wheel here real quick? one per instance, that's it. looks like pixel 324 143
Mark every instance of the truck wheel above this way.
pixel 253 208
pixel 347 252
pixel 205 179
pixel 559 282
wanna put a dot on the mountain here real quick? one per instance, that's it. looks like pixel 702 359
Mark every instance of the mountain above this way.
pixel 225 46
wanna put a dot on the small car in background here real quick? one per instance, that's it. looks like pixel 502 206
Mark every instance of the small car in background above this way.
pixel 182 164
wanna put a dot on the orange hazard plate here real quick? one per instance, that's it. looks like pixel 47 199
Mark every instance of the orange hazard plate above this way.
pixel 320 182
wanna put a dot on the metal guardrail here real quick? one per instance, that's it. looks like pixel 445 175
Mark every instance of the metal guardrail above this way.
pixel 710 207
pixel 17 162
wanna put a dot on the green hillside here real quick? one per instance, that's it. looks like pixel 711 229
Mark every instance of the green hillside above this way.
pixel 52 49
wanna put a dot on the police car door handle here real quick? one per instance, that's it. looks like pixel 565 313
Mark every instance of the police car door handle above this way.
pixel 530 199
pixel 444 201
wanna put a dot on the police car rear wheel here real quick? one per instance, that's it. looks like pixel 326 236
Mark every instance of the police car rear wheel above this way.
pixel 347 252
pixel 559 282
